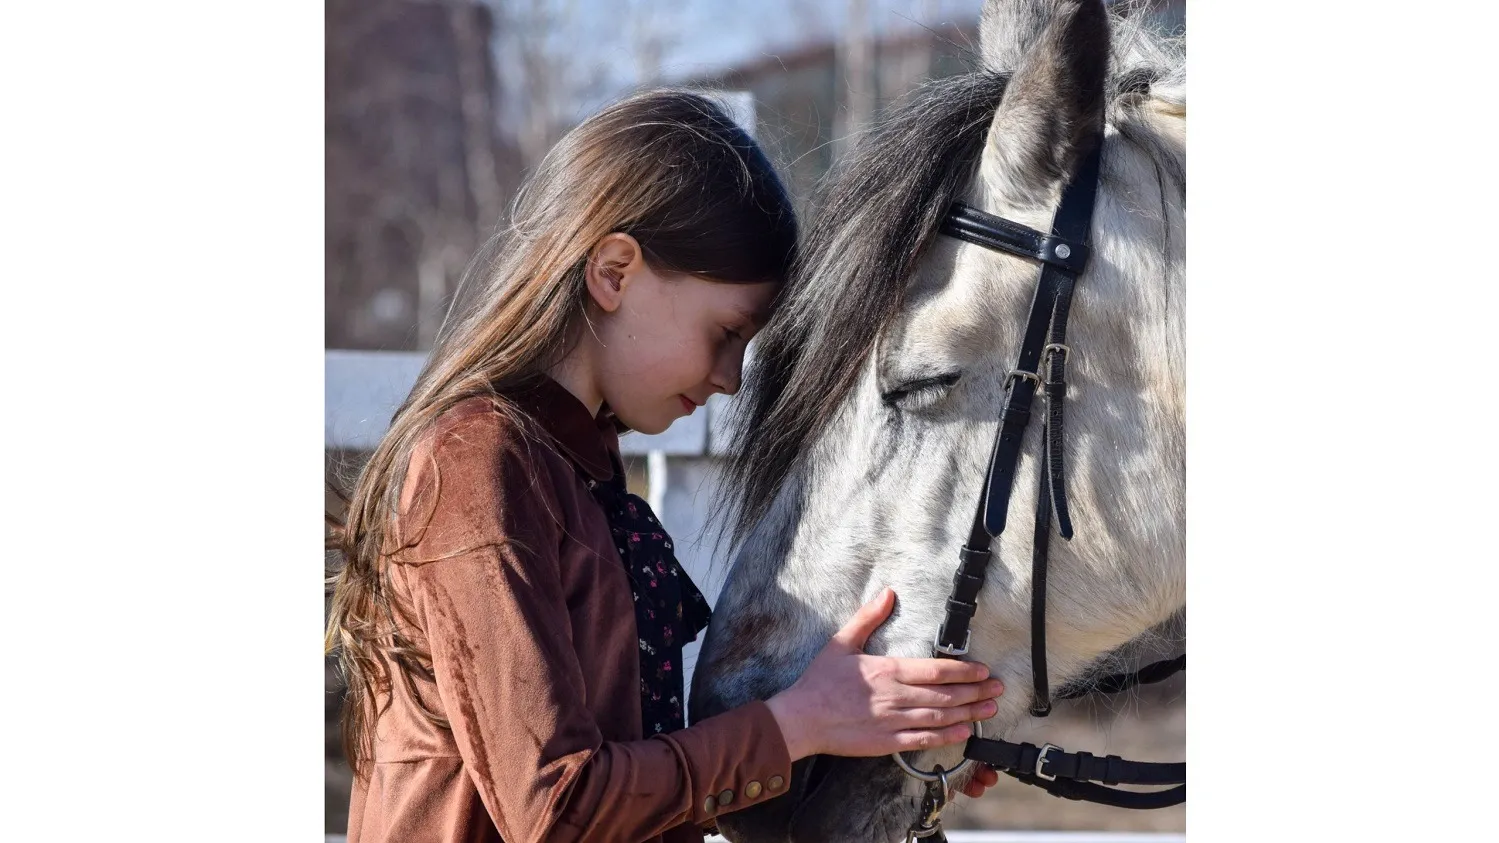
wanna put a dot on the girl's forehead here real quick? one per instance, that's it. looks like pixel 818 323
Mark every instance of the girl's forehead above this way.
pixel 751 301
pixel 756 302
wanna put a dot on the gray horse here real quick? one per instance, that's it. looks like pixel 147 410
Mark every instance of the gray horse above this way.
pixel 867 419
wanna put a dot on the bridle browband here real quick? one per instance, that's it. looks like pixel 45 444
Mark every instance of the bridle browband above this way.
pixel 1042 365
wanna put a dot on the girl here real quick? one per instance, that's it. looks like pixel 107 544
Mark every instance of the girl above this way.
pixel 508 618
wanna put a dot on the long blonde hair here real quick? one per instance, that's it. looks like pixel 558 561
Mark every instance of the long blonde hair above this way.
pixel 667 167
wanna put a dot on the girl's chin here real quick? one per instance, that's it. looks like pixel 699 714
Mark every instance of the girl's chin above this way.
pixel 648 426
pixel 654 419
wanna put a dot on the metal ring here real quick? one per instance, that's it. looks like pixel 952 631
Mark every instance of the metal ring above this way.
pixel 978 732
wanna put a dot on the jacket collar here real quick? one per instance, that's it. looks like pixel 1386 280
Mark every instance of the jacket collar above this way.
pixel 592 442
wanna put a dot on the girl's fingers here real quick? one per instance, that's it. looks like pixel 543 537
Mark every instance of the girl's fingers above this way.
pixel 913 739
pixel 938 671
pixel 933 718
pixel 945 696
pixel 983 778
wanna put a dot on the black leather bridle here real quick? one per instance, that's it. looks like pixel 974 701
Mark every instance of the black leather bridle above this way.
pixel 1042 364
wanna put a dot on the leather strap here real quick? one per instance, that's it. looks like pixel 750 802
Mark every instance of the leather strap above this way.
pixel 1073 219
pixel 962 603
pixel 1071 224
pixel 1054 356
pixel 1051 494
pixel 1078 766
pixel 966 222
pixel 1098 794
pixel 1117 682
pixel 1041 541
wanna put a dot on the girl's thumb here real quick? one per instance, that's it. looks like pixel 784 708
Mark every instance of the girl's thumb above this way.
pixel 865 621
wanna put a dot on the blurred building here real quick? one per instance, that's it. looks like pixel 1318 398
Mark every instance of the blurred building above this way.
pixel 803 97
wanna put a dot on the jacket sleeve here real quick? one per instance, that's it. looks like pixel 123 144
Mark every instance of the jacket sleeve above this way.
pixel 486 588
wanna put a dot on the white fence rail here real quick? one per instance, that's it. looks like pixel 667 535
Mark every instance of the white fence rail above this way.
pixel 362 389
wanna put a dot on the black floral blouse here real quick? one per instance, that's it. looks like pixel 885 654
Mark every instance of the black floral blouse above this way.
pixel 669 609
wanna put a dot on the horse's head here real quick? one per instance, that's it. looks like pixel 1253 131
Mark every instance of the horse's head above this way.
pixel 869 416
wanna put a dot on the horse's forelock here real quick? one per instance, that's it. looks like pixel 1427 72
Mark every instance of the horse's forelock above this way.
pixel 877 211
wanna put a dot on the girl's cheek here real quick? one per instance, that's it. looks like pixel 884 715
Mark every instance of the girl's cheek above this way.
pixel 704 356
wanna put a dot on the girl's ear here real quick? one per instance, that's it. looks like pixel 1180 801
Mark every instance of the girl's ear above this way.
pixel 612 265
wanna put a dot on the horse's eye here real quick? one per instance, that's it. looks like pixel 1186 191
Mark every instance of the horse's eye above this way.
pixel 920 394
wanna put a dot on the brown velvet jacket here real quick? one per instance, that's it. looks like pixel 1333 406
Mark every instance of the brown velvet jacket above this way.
pixel 515 587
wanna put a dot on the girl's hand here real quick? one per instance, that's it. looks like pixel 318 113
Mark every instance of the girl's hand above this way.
pixel 984 777
pixel 852 704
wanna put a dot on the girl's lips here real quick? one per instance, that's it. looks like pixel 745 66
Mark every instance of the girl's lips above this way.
pixel 687 404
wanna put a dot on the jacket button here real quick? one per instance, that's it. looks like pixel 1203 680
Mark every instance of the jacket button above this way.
pixel 752 790
pixel 725 798
pixel 775 783
pixel 709 804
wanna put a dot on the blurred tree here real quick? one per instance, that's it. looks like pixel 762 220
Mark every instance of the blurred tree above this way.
pixel 855 57
pixel 652 33
pixel 553 59
pixel 415 171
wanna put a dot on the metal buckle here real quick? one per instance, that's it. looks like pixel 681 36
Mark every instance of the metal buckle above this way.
pixel 929 819
pixel 1041 761
pixel 939 647
pixel 1024 375
pixel 1054 347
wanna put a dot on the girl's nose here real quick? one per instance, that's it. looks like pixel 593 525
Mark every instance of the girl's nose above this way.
pixel 726 375
pixel 726 380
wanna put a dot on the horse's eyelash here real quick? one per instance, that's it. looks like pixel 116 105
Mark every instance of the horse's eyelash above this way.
pixel 942 381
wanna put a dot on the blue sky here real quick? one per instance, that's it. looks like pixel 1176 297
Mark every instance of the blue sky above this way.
pixel 726 33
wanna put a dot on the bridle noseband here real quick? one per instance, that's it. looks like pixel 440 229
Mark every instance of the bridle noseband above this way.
pixel 1042 365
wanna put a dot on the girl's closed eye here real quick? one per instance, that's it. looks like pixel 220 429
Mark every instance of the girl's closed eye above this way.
pixel 736 330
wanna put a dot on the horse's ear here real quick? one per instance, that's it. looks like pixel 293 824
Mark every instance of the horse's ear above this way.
pixel 1008 28
pixel 1053 104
